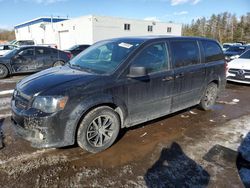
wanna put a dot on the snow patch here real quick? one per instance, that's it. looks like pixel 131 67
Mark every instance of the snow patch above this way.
pixel 5 103
pixel 6 92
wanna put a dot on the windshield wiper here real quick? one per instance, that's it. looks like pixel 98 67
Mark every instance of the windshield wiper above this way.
pixel 82 68
pixel 75 65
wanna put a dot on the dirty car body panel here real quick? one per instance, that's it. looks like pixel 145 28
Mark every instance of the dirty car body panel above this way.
pixel 166 88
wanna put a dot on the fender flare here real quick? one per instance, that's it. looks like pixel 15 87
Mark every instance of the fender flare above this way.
pixel 88 104
pixel 8 66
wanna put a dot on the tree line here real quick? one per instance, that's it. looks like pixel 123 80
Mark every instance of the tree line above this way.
pixel 224 27
pixel 6 35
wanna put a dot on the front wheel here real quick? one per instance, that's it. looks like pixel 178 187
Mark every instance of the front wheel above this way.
pixel 58 64
pixel 98 129
pixel 209 97
pixel 3 71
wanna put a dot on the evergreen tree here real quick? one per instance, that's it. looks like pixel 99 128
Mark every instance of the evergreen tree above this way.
pixel 224 27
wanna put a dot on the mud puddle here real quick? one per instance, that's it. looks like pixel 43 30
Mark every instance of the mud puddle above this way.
pixel 153 152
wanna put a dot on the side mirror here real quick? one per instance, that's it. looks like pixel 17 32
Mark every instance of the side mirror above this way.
pixel 135 72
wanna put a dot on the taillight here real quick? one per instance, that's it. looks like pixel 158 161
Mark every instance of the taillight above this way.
pixel 69 55
pixel 226 67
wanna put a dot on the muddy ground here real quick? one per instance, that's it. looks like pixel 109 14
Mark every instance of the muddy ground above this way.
pixel 191 148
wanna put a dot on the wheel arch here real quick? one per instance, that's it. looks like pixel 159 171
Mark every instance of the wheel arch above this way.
pixel 8 68
pixel 215 81
pixel 88 105
pixel 58 60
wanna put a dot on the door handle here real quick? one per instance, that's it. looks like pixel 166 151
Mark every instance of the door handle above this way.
pixel 179 75
pixel 168 78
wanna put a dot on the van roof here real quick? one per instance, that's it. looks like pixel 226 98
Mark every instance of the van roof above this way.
pixel 147 38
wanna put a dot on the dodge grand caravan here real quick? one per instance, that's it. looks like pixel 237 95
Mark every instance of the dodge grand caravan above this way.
pixel 114 84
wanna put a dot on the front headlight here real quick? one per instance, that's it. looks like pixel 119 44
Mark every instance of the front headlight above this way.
pixel 49 104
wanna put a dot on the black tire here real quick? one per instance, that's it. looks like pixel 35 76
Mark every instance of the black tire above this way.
pixel 58 64
pixel 98 129
pixel 4 72
pixel 209 97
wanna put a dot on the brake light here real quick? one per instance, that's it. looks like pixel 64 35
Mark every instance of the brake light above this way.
pixel 226 67
pixel 69 55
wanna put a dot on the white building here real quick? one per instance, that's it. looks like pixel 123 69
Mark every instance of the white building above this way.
pixel 89 29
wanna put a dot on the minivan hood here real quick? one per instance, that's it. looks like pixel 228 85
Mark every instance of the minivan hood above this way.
pixel 240 63
pixel 51 78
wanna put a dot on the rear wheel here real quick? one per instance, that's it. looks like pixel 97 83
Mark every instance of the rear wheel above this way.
pixel 3 71
pixel 209 97
pixel 58 64
pixel 98 130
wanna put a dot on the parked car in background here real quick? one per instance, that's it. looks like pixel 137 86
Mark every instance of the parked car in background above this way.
pixel 225 46
pixel 234 52
pixel 22 42
pixel 31 59
pixel 4 48
pixel 76 49
pixel 114 84
pixel 48 45
pixel 239 69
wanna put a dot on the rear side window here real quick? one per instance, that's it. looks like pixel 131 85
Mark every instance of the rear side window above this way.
pixel 212 51
pixel 54 51
pixel 185 53
pixel 42 51
pixel 27 52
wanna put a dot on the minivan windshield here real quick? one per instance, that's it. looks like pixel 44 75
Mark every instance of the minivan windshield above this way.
pixel 104 57
pixel 245 55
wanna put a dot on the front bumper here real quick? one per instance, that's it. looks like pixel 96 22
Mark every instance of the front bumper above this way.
pixel 43 131
pixel 234 76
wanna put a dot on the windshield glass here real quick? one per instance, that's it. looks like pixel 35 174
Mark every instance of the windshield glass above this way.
pixel 104 57
pixel 11 53
pixel 73 47
pixel 245 55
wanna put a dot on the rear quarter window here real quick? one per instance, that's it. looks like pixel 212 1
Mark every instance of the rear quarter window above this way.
pixel 185 53
pixel 54 51
pixel 212 51
pixel 42 51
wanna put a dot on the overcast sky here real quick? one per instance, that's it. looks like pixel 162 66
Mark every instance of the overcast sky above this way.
pixel 14 12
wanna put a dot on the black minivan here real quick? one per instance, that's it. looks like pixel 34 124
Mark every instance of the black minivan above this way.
pixel 114 84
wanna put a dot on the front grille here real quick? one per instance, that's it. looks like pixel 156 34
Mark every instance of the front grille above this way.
pixel 22 101
pixel 236 71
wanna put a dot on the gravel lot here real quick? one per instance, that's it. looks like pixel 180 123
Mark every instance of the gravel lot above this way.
pixel 189 148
